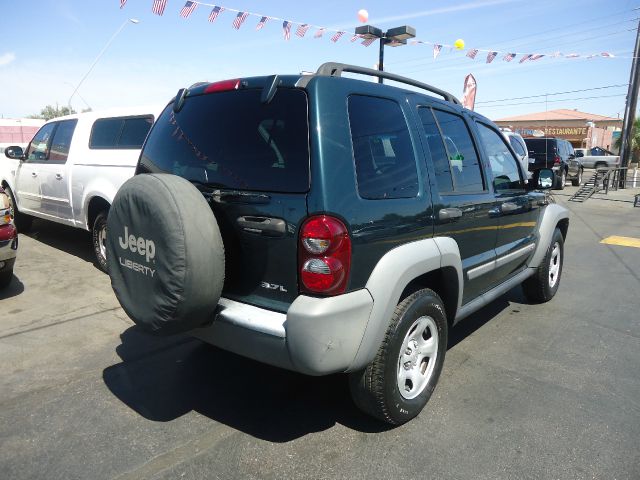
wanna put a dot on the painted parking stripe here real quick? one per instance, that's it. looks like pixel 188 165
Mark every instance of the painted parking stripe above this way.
pixel 623 241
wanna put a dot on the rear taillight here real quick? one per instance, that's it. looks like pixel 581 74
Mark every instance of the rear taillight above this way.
pixel 223 86
pixel 324 256
pixel 556 160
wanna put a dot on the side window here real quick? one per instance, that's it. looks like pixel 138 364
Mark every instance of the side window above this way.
pixel 504 166
pixel 382 149
pixel 517 146
pixel 39 146
pixel 461 153
pixel 120 132
pixel 62 141
pixel 438 153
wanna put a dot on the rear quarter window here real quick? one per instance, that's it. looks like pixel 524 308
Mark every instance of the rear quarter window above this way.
pixel 120 132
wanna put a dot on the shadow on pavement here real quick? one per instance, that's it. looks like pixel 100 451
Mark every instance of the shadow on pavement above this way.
pixel 163 378
pixel 74 241
pixel 15 288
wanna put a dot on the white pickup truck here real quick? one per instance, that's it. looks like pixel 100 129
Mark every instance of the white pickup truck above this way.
pixel 73 167
pixel 597 158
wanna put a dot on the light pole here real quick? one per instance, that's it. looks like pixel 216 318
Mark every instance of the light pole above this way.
pixel 104 49
pixel 394 37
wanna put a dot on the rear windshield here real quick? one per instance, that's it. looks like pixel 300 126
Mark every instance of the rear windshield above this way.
pixel 540 146
pixel 233 140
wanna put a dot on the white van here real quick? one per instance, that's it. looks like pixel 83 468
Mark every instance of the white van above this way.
pixel 73 168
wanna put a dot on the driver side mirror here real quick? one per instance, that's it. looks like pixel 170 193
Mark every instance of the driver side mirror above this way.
pixel 14 153
pixel 542 179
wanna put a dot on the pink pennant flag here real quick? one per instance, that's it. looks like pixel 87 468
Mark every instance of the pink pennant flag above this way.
pixel 319 32
pixel 509 56
pixel 286 30
pixel 491 56
pixel 214 13
pixel 436 51
pixel 337 37
pixel 368 41
pixel 472 53
pixel 239 20
pixel 525 58
pixel 159 6
pixel 301 31
pixel 122 3
pixel 262 23
pixel 607 55
pixel 188 9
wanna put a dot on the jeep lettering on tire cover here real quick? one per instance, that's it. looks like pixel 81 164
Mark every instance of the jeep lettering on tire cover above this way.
pixel 165 253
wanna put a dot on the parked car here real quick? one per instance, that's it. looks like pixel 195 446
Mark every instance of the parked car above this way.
pixel 597 158
pixel 557 154
pixel 327 224
pixel 519 147
pixel 8 240
pixel 73 167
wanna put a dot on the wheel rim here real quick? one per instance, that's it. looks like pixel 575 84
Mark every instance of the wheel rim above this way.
pixel 554 265
pixel 417 359
pixel 102 241
pixel 579 177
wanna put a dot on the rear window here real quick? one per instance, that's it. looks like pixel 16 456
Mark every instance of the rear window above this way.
pixel 120 132
pixel 233 140
pixel 541 146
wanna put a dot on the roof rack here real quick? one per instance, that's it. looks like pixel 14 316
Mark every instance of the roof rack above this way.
pixel 335 70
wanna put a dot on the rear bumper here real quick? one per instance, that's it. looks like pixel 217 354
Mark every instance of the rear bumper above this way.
pixel 317 336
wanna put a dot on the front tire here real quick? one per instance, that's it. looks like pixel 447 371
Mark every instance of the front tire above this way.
pixel 543 285
pixel 22 222
pixel 99 237
pixel 397 384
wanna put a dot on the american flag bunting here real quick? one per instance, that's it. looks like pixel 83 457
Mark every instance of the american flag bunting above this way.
pixel 607 55
pixel 337 37
pixel 368 41
pixel 537 56
pixel 436 51
pixel 301 31
pixel 491 56
pixel 188 9
pixel 319 32
pixel 525 58
pixel 239 20
pixel 122 3
pixel 472 53
pixel 286 29
pixel 262 23
pixel 509 56
pixel 571 55
pixel 159 6
pixel 354 38
pixel 215 12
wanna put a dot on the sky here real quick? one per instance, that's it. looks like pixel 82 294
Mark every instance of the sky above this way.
pixel 48 46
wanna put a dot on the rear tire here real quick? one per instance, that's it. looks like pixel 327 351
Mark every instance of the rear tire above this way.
pixel 561 180
pixel 21 221
pixel 5 279
pixel 397 384
pixel 601 165
pixel 99 238
pixel 543 285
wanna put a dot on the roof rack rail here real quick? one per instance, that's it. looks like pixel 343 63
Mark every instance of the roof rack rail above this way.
pixel 335 70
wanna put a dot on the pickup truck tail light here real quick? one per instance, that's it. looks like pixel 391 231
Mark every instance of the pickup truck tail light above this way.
pixel 324 256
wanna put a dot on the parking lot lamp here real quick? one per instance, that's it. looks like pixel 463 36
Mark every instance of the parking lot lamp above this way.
pixel 104 49
pixel 394 37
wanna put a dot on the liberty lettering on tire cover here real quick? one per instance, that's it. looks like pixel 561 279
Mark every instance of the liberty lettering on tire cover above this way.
pixel 165 254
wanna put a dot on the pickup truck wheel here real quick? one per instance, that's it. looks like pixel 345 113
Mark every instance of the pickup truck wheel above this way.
pixel 396 386
pixel 99 237
pixel 165 254
pixel 576 182
pixel 22 222
pixel 601 165
pixel 561 180
pixel 543 285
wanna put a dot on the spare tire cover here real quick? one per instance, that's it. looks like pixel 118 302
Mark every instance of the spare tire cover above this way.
pixel 164 253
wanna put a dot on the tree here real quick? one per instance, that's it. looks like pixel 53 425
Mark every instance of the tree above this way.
pixel 50 112
pixel 635 141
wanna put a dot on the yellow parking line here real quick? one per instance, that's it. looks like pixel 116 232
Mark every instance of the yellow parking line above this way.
pixel 623 241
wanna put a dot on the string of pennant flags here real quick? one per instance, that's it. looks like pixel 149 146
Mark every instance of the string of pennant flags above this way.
pixel 301 29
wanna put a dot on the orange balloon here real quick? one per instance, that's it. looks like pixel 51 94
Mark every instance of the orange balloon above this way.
pixel 363 16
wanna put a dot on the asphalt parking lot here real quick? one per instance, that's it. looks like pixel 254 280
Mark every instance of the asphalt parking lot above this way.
pixel 527 391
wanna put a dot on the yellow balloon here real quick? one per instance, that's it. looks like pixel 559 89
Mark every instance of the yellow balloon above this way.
pixel 459 44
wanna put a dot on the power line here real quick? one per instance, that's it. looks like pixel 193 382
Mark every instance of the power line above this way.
pixel 554 101
pixel 555 93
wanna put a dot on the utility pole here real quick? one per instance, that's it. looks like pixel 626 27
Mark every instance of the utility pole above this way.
pixel 630 111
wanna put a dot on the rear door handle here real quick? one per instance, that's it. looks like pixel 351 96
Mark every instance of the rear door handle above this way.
pixel 449 213
pixel 34 174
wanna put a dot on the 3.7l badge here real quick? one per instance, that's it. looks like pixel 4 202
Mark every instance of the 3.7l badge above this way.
pixel 273 286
